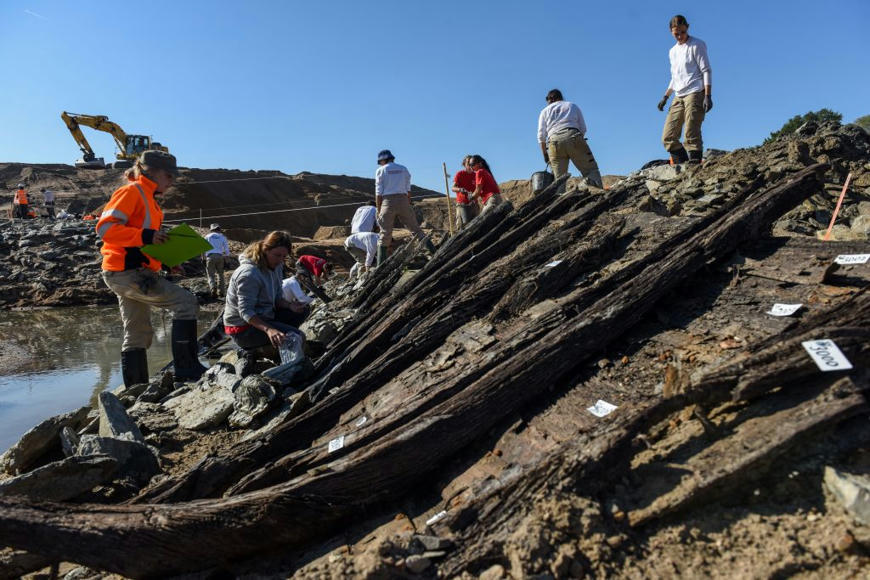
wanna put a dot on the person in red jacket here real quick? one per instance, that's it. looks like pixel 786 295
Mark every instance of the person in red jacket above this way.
pixel 311 271
pixel 463 186
pixel 485 187
pixel 132 219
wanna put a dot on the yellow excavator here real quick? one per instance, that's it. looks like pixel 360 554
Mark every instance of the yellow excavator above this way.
pixel 129 146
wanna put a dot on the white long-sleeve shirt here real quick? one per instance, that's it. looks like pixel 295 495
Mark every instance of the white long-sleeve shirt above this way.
pixel 558 116
pixel 367 241
pixel 392 179
pixel 219 244
pixel 364 219
pixel 690 67
pixel 48 196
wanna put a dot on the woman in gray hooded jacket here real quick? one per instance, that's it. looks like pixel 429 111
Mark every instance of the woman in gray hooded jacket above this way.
pixel 256 314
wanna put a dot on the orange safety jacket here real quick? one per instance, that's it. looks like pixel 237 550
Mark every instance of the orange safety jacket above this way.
pixel 20 197
pixel 127 223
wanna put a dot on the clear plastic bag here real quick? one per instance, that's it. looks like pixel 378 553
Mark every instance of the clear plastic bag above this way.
pixel 291 349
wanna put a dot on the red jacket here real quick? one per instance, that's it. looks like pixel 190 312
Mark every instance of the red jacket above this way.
pixel 127 223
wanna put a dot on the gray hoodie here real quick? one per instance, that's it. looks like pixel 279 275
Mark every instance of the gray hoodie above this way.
pixel 252 292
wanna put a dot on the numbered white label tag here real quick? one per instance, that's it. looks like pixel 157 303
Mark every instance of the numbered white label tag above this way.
pixel 336 443
pixel 827 355
pixel 601 408
pixel 439 516
pixel 553 264
pixel 846 259
pixel 784 309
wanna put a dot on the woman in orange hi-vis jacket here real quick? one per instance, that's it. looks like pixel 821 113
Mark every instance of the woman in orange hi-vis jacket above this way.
pixel 129 221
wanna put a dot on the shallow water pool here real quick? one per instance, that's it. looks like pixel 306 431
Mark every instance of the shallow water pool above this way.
pixel 57 360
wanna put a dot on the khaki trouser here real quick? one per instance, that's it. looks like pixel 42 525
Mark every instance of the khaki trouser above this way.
pixel 138 291
pixel 688 111
pixel 214 272
pixel 493 202
pixel 465 212
pixel 570 144
pixel 392 207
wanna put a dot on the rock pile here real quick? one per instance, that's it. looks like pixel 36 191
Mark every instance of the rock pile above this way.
pixel 50 264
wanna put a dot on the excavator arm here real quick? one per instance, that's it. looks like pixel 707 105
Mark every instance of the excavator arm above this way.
pixel 129 146
pixel 98 122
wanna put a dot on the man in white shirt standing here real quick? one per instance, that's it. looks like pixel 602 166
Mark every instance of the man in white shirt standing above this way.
pixel 393 200
pixel 562 136
pixel 691 82
pixel 214 260
pixel 364 218
pixel 363 246
pixel 48 200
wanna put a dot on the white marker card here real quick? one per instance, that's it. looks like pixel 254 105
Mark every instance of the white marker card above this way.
pixel 553 264
pixel 846 259
pixel 336 443
pixel 827 355
pixel 601 408
pixel 439 516
pixel 784 309
pixel 361 421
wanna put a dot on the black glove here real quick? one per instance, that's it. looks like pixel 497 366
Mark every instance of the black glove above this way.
pixel 708 103
pixel 662 103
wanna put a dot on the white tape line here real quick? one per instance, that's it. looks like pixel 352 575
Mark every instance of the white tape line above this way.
pixel 553 264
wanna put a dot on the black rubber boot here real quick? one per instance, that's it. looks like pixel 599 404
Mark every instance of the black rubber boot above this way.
pixel 184 348
pixel 694 157
pixel 679 156
pixel 134 367
pixel 382 254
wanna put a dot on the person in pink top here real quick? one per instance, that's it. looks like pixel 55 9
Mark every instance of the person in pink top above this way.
pixel 485 187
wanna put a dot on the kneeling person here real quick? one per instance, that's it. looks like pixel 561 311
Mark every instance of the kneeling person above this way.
pixel 256 314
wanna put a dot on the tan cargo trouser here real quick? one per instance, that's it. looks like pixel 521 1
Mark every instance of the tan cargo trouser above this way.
pixel 392 207
pixel 493 202
pixel 570 145
pixel 214 272
pixel 688 111
pixel 465 212
pixel 138 291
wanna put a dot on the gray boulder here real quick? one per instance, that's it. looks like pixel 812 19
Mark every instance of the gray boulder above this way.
pixel 852 491
pixel 135 460
pixel 202 409
pixel 114 420
pixel 252 397
pixel 40 440
pixel 62 480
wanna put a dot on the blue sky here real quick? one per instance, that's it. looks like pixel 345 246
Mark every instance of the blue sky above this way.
pixel 306 86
